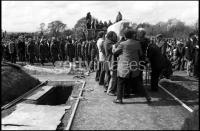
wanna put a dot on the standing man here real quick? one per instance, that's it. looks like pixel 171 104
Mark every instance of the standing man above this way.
pixel 196 56
pixel 86 54
pixel 42 51
pixel 71 54
pixel 144 42
pixel 79 52
pixel 62 50
pixel 129 53
pixel 100 73
pixel 37 52
pixel 189 53
pixel 12 50
pixel 161 44
pixel 110 40
pixel 54 50
pixel 30 50
pixel 83 53
pixel 93 48
pixel 21 49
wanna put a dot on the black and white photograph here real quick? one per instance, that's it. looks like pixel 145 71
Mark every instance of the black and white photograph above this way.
pixel 99 65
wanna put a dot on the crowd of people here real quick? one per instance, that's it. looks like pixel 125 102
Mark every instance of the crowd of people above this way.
pixel 122 63
pixel 43 50
pixel 119 63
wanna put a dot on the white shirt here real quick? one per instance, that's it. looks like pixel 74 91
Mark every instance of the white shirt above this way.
pixel 99 44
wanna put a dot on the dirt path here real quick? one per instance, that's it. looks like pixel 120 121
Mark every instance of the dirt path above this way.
pixel 99 113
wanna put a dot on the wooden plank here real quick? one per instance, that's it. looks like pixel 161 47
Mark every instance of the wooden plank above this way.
pixel 22 96
pixel 75 108
pixel 32 117
pixel 39 93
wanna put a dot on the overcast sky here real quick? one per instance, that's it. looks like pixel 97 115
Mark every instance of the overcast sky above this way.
pixel 27 15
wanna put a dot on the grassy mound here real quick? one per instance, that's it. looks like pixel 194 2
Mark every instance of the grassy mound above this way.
pixel 14 82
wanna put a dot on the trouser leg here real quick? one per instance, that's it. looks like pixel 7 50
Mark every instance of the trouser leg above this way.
pixel 141 88
pixel 188 67
pixel 154 80
pixel 98 71
pixel 102 75
pixel 107 78
pixel 113 83
pixel 120 86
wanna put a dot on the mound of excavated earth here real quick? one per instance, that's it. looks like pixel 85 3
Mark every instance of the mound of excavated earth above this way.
pixel 15 82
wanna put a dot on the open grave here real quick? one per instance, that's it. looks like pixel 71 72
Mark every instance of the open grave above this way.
pixel 48 107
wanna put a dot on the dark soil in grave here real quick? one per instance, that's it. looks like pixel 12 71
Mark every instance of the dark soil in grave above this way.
pixel 186 91
pixel 70 102
pixel 15 82
pixel 56 96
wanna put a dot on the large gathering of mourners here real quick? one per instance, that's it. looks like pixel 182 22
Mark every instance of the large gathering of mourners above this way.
pixel 119 64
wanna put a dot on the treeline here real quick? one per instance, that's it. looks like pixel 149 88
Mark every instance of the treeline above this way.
pixel 173 28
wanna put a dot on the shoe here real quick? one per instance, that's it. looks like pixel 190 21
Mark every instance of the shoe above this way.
pixel 148 99
pixel 111 94
pixel 117 101
pixel 127 96
pixel 154 90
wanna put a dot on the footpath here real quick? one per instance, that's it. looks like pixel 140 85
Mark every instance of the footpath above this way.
pixel 98 112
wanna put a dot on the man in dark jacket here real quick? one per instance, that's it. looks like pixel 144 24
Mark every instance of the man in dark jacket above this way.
pixel 189 53
pixel 21 49
pixel 37 44
pixel 93 54
pixel 30 50
pixel 12 50
pixel 157 61
pixel 196 56
pixel 86 53
pixel 43 49
pixel 83 52
pixel 78 50
pixel 161 44
pixel 54 51
pixel 144 42
pixel 62 49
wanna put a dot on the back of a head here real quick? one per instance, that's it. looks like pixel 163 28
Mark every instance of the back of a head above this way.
pixel 111 35
pixel 129 33
pixel 100 34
